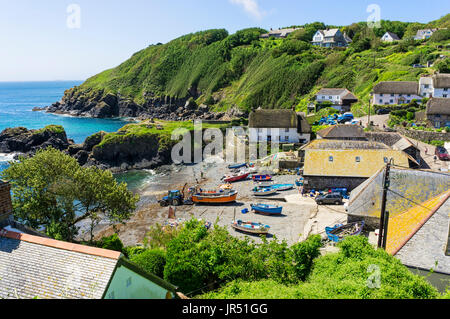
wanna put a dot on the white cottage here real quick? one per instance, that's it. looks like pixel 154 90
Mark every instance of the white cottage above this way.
pixel 396 92
pixel 390 37
pixel 331 38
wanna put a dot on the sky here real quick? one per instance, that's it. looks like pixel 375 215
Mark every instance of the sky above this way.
pixel 50 40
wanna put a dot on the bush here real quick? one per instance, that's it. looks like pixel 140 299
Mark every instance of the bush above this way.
pixel 151 260
pixel 112 242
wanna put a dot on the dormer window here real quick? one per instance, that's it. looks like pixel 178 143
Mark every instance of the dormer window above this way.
pixel 358 159
pixel 330 159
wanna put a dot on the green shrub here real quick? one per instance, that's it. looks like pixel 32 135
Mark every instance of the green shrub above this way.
pixel 112 242
pixel 151 260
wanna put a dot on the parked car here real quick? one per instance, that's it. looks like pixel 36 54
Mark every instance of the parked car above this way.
pixel 383 111
pixel 345 118
pixel 442 153
pixel 331 198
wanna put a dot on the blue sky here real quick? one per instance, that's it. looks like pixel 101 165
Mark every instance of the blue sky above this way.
pixel 37 44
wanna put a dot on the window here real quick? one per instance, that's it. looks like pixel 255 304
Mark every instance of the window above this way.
pixel 392 101
pixel 381 101
pixel 386 160
pixel 408 101
pixel 286 130
pixel 330 159
pixel 358 159
pixel 409 95
pixel 426 86
pixel 286 139
pixel 381 94
pixel 446 89
pixel 392 95
pixel 444 95
pixel 260 130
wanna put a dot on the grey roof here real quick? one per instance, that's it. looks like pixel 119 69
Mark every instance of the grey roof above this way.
pixel 344 93
pixel 303 125
pixel 397 87
pixel 342 131
pixel 439 106
pixel 427 247
pixel 441 80
pixel 403 144
pixel 29 270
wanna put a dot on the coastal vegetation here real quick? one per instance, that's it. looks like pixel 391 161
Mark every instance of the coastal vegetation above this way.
pixel 53 193
pixel 213 264
pixel 240 70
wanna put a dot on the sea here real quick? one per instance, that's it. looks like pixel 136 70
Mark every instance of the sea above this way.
pixel 17 100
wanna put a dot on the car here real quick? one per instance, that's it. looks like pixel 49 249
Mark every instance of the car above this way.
pixel 383 111
pixel 330 198
pixel 345 118
pixel 442 153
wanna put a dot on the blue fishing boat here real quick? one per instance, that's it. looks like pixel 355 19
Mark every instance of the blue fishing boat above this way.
pixel 339 232
pixel 282 187
pixel 263 191
pixel 262 178
pixel 267 209
pixel 235 166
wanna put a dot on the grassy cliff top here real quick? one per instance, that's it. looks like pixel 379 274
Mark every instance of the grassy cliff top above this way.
pixel 241 70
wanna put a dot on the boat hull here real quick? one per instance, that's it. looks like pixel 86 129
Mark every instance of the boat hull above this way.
pixel 214 199
pixel 266 210
pixel 237 166
pixel 262 178
pixel 336 233
pixel 269 192
pixel 251 228
pixel 236 178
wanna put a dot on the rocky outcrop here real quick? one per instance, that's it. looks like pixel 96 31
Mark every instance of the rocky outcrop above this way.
pixel 99 104
pixel 22 140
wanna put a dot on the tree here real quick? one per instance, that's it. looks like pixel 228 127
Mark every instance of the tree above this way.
pixel 51 191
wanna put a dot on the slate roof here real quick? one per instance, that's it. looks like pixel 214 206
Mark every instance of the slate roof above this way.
pixel 419 237
pixel 396 87
pixel 441 80
pixel 343 131
pixel 32 266
pixel 438 106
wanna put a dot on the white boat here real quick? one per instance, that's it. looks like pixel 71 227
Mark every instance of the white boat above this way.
pixel 264 191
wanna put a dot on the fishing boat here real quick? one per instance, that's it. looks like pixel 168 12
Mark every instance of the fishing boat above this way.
pixel 236 177
pixel 282 187
pixel 235 166
pixel 249 227
pixel 339 232
pixel 264 191
pixel 221 197
pixel 267 209
pixel 262 178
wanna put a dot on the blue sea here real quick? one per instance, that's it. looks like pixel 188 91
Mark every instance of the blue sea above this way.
pixel 17 100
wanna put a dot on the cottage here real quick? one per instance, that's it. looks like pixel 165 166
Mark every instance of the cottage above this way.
pixel 424 34
pixel 285 126
pixel 281 33
pixel 390 37
pixel 418 205
pixel 437 85
pixel 341 99
pixel 343 132
pixel 346 164
pixel 438 112
pixel 396 92
pixel 331 38
pixel 35 266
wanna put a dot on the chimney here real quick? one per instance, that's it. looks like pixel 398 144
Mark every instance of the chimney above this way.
pixel 5 201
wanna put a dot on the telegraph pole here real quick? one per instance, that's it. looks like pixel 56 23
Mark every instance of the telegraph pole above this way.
pixel 386 182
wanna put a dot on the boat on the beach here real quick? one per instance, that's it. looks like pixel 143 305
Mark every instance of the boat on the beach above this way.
pixel 267 209
pixel 339 232
pixel 262 178
pixel 282 187
pixel 250 227
pixel 235 166
pixel 211 197
pixel 236 177
pixel 264 191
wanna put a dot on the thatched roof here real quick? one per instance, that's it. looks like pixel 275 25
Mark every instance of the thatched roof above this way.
pixel 273 119
pixel 397 87
pixel 439 106
pixel 441 80
pixel 303 125
pixel 343 131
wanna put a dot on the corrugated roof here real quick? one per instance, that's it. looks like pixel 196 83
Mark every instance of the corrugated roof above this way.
pixel 32 267
pixel 345 162
pixel 441 80
pixel 396 87
pixel 438 106
pixel 273 119
pixel 342 131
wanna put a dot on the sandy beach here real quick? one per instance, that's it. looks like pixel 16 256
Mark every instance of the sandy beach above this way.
pixel 301 215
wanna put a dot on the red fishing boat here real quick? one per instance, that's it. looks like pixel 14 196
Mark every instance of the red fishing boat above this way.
pixel 236 177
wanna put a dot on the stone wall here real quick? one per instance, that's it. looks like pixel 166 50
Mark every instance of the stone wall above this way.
pixel 5 200
pixel 325 182
pixel 424 136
